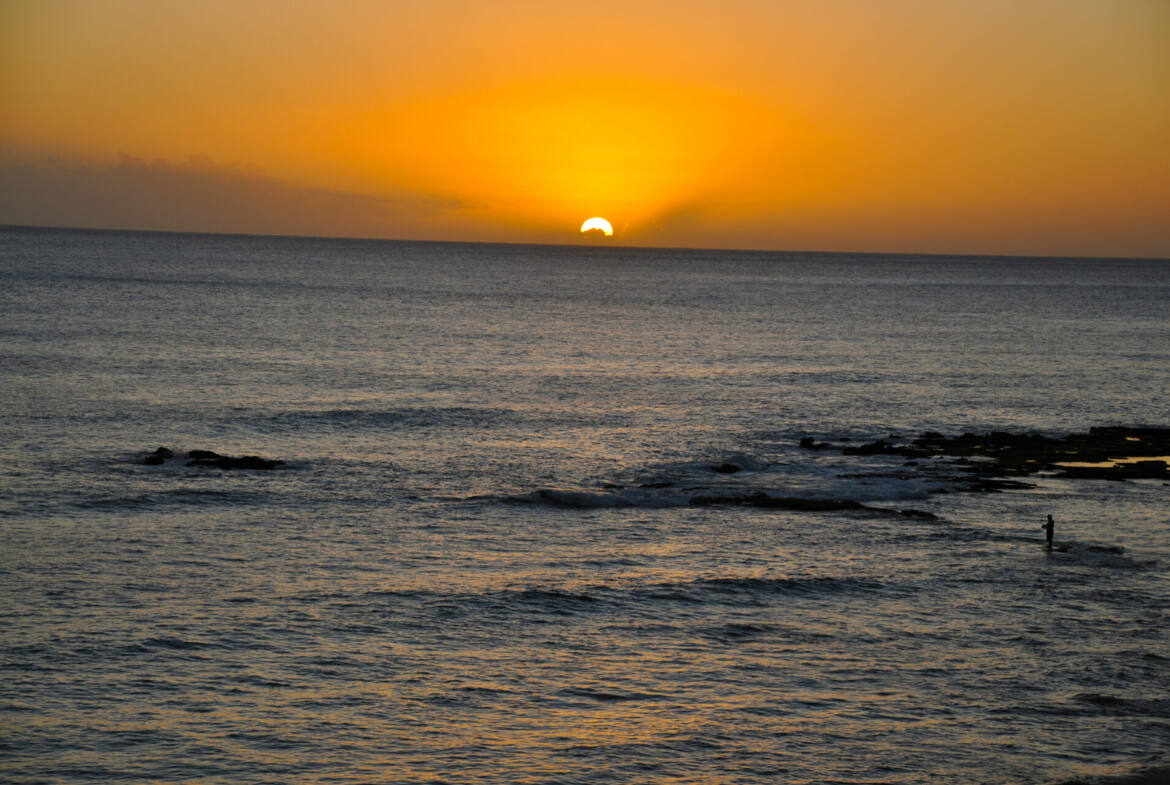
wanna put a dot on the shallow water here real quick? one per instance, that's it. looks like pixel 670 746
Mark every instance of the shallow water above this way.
pixel 481 563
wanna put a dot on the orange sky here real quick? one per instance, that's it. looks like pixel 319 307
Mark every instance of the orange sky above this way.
pixel 995 126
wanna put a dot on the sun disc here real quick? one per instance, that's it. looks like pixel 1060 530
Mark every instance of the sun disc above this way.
pixel 594 224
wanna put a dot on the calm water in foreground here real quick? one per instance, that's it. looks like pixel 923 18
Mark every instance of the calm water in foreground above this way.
pixel 479 564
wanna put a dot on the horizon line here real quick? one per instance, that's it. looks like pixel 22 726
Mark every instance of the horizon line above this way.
pixel 593 245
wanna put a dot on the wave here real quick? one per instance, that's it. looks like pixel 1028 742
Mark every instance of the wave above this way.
pixel 1085 554
pixel 609 695
pixel 736 590
pixel 181 644
pixel 595 500
pixel 664 498
pixel 426 417
pixel 399 417
pixel 630 598
pixel 554 600
pixel 199 497
pixel 706 469
pixel 86 652
pixel 731 464
pixel 1158 775
pixel 735 479
pixel 1092 704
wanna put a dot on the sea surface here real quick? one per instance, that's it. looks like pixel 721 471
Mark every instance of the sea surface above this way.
pixel 480 562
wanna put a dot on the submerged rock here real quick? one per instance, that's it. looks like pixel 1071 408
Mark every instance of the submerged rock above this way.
pixel 763 500
pixel 215 460
pixel 161 455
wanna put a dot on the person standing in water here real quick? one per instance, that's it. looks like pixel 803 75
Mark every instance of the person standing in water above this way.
pixel 1049 527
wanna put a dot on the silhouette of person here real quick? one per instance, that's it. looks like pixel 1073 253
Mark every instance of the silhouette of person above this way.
pixel 1049 527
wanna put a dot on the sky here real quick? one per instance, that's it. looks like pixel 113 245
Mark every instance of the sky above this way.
pixel 938 126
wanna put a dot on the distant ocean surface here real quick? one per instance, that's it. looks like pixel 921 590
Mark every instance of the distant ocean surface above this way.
pixel 479 562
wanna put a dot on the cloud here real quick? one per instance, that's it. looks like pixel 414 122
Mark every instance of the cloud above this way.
pixel 200 195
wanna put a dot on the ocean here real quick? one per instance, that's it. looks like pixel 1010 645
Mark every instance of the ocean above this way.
pixel 483 560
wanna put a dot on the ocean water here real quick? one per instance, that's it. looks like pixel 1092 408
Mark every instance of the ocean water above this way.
pixel 480 563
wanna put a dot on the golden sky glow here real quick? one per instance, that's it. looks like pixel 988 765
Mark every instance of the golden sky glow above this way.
pixel 925 125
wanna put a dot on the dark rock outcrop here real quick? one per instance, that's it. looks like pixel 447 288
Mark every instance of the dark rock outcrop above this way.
pixel 1001 454
pixel 1137 470
pixel 213 459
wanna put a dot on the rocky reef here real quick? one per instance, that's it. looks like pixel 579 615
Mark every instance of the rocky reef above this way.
pixel 1111 453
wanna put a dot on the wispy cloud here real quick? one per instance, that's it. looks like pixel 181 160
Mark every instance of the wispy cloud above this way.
pixel 201 195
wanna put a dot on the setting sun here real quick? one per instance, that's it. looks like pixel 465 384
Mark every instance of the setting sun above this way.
pixel 597 225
